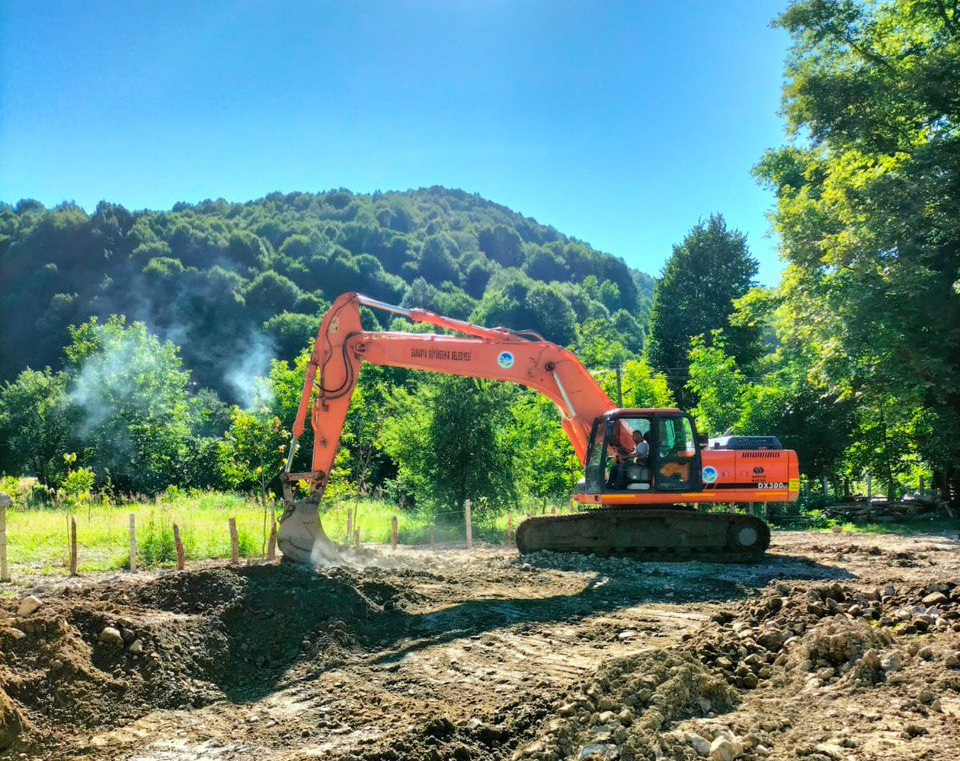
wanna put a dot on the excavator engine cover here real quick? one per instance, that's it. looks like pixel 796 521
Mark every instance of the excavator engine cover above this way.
pixel 648 534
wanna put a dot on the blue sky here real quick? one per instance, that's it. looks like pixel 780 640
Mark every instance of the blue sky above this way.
pixel 620 123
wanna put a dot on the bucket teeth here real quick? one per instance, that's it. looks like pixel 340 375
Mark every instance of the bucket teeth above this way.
pixel 301 537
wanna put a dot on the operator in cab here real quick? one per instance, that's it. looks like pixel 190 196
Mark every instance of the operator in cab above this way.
pixel 639 453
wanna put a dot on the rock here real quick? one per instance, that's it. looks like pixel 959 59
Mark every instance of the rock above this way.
pixel 935 598
pixel 891 662
pixel 871 659
pixel 607 717
pixel 700 744
pixel 888 590
pixel 926 696
pixel 830 750
pixel 723 749
pixel 111 637
pixel 771 639
pixel 916 730
pixel 129 635
pixel 598 752
pixel 29 605
pixel 951 661
pixel 926 653
pixel 16 633
pixel 136 647
pixel 836 528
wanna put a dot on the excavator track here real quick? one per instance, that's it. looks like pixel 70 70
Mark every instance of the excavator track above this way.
pixel 649 534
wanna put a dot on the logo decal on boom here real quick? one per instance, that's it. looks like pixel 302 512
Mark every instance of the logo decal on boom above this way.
pixel 709 474
pixel 505 360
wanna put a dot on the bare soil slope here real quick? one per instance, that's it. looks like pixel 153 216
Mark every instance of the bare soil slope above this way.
pixel 834 647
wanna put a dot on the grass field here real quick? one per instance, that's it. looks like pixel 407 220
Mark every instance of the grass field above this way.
pixel 39 537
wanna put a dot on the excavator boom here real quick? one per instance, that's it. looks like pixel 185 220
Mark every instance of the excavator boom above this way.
pixel 524 357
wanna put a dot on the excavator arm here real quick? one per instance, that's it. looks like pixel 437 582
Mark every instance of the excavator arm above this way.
pixel 342 345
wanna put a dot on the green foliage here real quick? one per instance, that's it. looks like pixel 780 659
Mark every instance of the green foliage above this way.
pixel 36 425
pixel 449 441
pixel 643 387
pixel 129 394
pixel 528 305
pixel 716 382
pixel 211 275
pixel 77 485
pixel 156 545
pixel 868 211
pixel 694 296
pixel 545 464
pixel 253 449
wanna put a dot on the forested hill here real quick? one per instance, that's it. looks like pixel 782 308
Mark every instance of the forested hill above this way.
pixel 235 283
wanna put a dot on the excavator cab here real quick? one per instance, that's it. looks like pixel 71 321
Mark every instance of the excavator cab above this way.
pixel 671 464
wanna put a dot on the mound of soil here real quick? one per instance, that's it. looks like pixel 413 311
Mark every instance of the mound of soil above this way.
pixel 103 656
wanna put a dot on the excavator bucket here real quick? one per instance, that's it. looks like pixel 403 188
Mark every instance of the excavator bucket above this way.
pixel 301 537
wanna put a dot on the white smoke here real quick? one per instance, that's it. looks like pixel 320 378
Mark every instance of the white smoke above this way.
pixel 246 376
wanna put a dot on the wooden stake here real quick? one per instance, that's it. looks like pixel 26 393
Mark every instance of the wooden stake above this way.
pixel 466 515
pixel 178 546
pixel 553 509
pixel 356 537
pixel 234 542
pixel 4 570
pixel 272 544
pixel 73 546
pixel 393 533
pixel 133 543
pixel 349 523
pixel 433 536
pixel 509 529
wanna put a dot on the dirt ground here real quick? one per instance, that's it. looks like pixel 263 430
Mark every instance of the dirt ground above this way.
pixel 834 647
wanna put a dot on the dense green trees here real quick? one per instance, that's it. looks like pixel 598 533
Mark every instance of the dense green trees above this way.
pixel 868 209
pixel 695 295
pixel 218 277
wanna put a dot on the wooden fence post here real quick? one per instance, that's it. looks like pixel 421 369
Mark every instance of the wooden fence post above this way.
pixel 553 509
pixel 178 546
pixel 466 515
pixel 234 542
pixel 272 544
pixel 356 537
pixel 509 529
pixel 393 533
pixel 869 486
pixel 133 543
pixel 73 546
pixel 349 524
pixel 433 536
pixel 4 569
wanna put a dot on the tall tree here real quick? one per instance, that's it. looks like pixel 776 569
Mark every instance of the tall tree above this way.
pixel 694 296
pixel 868 210
pixel 449 438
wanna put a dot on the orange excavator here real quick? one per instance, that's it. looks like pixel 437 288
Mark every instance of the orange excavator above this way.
pixel 645 470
